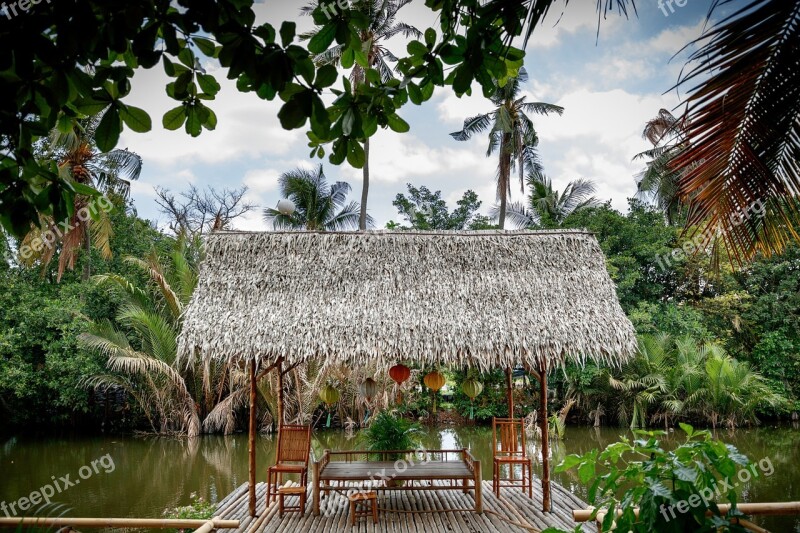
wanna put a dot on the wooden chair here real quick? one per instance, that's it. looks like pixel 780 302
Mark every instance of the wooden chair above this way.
pixel 510 450
pixel 294 447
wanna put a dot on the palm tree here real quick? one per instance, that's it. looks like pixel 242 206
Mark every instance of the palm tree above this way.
pixel 319 206
pixel 643 381
pixel 548 207
pixel 383 25
pixel 80 163
pixel 731 392
pixel 512 135
pixel 658 183
pixel 143 356
pixel 743 127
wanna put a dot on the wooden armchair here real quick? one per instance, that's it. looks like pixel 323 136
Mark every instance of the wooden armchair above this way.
pixel 510 450
pixel 294 447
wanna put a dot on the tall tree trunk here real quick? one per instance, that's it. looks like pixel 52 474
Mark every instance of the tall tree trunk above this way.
pixel 87 247
pixel 362 219
pixel 504 175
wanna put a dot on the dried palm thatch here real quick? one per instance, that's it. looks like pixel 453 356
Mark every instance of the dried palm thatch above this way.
pixel 483 299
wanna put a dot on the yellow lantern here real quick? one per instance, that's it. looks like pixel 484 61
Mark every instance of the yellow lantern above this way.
pixel 434 381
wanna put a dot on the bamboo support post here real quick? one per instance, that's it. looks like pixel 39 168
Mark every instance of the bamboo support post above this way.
pixel 315 468
pixel 478 488
pixel 252 439
pixel 117 523
pixel 545 437
pixel 510 392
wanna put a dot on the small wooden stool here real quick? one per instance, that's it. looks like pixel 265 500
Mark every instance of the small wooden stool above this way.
pixel 363 504
pixel 283 492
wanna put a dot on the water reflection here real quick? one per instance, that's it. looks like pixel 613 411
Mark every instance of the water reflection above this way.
pixel 152 474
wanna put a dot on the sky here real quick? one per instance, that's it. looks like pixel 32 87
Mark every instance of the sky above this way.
pixel 609 87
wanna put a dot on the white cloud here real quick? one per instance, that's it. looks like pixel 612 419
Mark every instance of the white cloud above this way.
pixel 401 158
pixel 260 181
pixel 597 137
pixel 247 126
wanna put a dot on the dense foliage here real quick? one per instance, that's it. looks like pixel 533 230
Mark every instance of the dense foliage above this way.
pixel 742 327
pixel 674 491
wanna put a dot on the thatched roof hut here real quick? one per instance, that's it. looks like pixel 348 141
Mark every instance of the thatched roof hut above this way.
pixel 486 299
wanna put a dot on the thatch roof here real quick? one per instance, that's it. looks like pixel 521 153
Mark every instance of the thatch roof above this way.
pixel 486 299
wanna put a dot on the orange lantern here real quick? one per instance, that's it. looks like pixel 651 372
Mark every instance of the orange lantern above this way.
pixel 399 374
pixel 434 381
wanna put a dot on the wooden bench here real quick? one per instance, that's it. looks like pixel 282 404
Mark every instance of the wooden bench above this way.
pixel 417 470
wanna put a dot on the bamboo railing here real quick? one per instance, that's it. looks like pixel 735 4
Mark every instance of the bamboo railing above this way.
pixel 202 526
pixel 752 509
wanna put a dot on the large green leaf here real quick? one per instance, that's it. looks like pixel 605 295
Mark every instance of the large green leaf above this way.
pixel 323 38
pixel 107 133
pixel 174 118
pixel 135 118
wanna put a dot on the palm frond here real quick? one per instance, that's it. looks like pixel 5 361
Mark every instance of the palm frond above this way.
pixel 743 128
pixel 473 125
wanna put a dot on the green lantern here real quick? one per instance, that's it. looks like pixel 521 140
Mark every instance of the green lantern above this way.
pixel 472 388
pixel 330 396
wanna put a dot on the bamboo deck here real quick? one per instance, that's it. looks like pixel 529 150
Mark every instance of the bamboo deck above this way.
pixel 412 511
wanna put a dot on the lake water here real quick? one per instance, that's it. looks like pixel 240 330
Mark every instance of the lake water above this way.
pixel 142 476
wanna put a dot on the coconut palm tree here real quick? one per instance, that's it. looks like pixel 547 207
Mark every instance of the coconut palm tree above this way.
pixel 511 135
pixel 548 207
pixel 319 206
pixel 142 356
pixel 658 183
pixel 81 164
pixel 382 26
pixel 743 126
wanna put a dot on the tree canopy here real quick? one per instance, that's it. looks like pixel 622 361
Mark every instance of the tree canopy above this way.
pixel 70 59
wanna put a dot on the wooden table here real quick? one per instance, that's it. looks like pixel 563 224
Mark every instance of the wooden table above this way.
pixel 417 469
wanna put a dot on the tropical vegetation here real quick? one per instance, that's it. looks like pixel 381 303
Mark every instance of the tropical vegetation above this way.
pixel 512 135
pixel 676 490
pixel 318 205
pixel 369 64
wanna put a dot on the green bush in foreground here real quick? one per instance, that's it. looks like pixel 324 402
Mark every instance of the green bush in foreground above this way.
pixel 199 509
pixel 674 491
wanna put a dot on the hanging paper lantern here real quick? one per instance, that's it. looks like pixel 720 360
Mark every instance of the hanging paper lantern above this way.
pixel 434 381
pixel 399 374
pixel 369 388
pixel 286 207
pixel 330 396
pixel 472 388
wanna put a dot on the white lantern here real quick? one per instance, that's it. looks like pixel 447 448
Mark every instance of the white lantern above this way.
pixel 286 207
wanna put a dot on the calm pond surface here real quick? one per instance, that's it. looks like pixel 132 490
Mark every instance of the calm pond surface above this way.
pixel 142 476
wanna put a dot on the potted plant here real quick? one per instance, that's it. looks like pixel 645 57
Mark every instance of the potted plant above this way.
pixel 389 432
